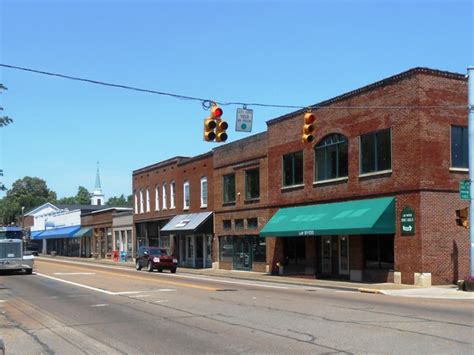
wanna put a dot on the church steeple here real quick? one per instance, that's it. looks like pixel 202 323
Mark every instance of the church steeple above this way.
pixel 97 197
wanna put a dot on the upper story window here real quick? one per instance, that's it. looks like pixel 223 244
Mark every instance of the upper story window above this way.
pixel 204 191
pixel 186 195
pixel 331 157
pixel 459 147
pixel 252 184
pixel 157 198
pixel 141 201
pixel 375 151
pixel 172 194
pixel 163 197
pixel 293 169
pixel 136 202
pixel 229 188
pixel 148 199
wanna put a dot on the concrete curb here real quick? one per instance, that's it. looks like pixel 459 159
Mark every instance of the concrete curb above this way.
pixel 371 290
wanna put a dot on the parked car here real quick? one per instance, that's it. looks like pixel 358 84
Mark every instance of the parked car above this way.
pixel 155 258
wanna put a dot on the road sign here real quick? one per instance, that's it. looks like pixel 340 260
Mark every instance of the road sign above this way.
pixel 465 189
pixel 244 120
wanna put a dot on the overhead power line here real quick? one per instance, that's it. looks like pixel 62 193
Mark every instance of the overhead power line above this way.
pixel 206 102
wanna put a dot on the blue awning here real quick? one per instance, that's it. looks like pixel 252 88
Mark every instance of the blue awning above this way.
pixel 57 233
pixel 34 234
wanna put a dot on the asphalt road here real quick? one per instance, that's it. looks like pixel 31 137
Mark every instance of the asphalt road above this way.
pixel 77 309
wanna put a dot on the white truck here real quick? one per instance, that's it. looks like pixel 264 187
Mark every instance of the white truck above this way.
pixel 12 256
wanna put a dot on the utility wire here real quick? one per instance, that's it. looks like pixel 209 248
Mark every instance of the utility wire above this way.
pixel 206 102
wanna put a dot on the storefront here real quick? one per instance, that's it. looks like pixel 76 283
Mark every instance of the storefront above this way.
pixel 345 240
pixel 85 242
pixel 241 252
pixel 190 237
pixel 60 241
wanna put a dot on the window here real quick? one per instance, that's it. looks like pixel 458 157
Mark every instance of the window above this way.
pixel 259 249
pixel 172 194
pixel 141 201
pixel 186 195
pixel 252 223
pixel 239 224
pixel 459 147
pixel 375 152
pixel 331 157
pixel 136 203
pixel 157 198
pixel 229 188
pixel 204 191
pixel 227 224
pixel 252 184
pixel 378 251
pixel 163 196
pixel 147 199
pixel 293 169
pixel 226 249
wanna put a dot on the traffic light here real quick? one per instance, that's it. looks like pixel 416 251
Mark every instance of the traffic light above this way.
pixel 209 127
pixel 221 135
pixel 462 217
pixel 308 127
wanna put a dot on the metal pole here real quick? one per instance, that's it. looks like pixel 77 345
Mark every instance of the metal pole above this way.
pixel 470 103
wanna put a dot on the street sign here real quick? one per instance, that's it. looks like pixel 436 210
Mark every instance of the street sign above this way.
pixel 407 221
pixel 244 120
pixel 465 189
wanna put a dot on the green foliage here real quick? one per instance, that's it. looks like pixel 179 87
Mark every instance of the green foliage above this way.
pixel 83 196
pixel 29 193
pixel 4 121
pixel 119 201
pixel 67 201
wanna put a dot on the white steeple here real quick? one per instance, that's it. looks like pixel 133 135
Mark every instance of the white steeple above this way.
pixel 97 197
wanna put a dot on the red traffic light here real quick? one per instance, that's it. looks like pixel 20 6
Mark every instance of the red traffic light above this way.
pixel 216 112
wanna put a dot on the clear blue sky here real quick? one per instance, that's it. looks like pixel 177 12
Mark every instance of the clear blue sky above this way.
pixel 282 52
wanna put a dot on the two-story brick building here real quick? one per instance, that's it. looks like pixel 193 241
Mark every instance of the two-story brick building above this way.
pixel 372 198
pixel 173 208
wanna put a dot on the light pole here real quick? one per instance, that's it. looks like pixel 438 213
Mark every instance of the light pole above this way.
pixel 23 218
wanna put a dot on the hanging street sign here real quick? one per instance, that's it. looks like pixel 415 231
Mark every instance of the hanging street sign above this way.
pixel 244 120
pixel 407 221
pixel 465 189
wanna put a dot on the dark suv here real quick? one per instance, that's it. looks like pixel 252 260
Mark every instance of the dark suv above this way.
pixel 155 258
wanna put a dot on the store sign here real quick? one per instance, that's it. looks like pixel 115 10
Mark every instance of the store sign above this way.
pixel 465 189
pixel 407 221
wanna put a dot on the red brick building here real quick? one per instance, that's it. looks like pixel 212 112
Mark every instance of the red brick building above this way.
pixel 393 139
pixel 372 198
pixel 173 208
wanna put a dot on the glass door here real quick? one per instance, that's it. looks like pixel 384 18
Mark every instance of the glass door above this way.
pixel 242 253
pixel 343 255
pixel 326 255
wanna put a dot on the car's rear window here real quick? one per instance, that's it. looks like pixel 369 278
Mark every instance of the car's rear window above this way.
pixel 157 252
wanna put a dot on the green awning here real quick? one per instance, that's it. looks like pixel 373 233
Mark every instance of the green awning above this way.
pixel 83 232
pixel 373 216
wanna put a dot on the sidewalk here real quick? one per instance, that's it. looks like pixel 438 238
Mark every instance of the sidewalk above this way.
pixel 445 292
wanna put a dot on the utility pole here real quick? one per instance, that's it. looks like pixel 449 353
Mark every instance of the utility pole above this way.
pixel 470 107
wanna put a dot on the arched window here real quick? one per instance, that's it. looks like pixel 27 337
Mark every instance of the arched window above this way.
pixel 331 155
pixel 172 194
pixel 157 198
pixel 204 191
pixel 163 195
pixel 136 202
pixel 148 199
pixel 141 200
pixel 186 197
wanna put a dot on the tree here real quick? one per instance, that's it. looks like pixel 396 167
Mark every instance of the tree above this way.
pixel 71 200
pixel 83 196
pixel 119 201
pixel 28 192
pixel 4 121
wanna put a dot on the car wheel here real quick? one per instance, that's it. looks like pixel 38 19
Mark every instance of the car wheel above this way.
pixel 149 267
pixel 28 271
pixel 173 271
pixel 137 266
pixel 160 270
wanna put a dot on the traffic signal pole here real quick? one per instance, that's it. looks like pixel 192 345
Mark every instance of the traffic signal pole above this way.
pixel 470 107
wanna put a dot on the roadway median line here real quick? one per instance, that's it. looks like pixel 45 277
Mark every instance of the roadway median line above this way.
pixel 136 277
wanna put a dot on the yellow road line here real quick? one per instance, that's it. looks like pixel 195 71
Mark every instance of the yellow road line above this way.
pixel 184 284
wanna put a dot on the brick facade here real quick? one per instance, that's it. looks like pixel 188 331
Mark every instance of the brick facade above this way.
pixel 421 175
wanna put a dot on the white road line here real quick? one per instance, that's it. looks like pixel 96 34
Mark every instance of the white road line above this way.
pixel 100 305
pixel 140 296
pixel 74 273
pixel 2 301
pixel 77 284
